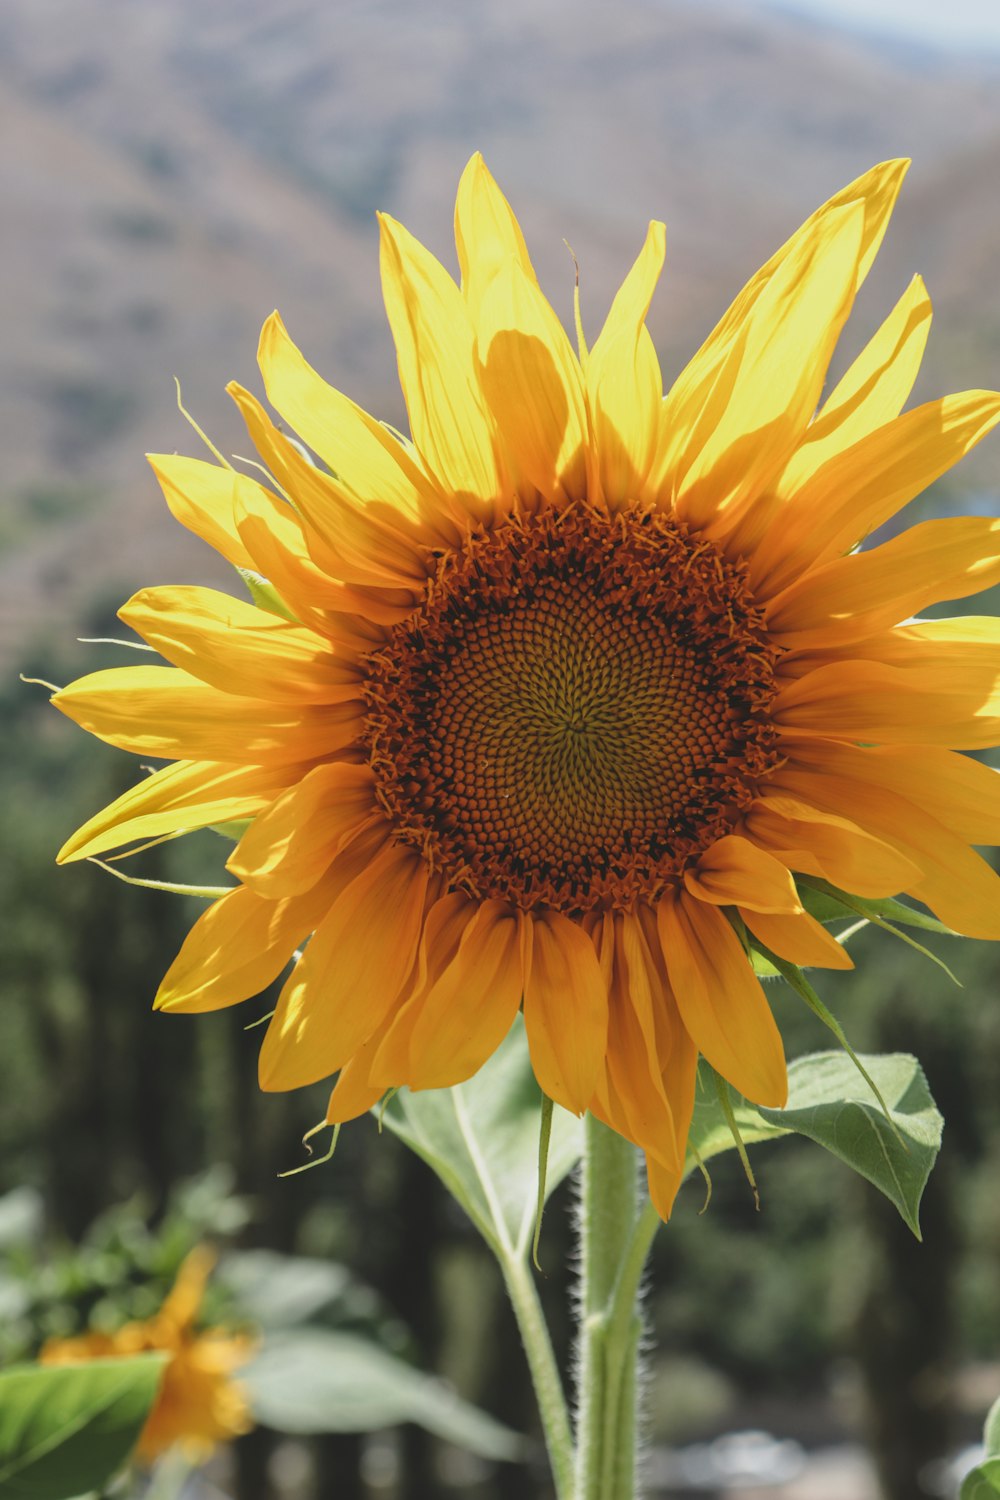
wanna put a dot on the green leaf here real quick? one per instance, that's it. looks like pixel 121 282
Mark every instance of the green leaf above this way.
pixel 67 1429
pixel 991 1431
pixel 830 1103
pixel 982 1482
pixel 481 1138
pixel 280 1291
pixel 314 1380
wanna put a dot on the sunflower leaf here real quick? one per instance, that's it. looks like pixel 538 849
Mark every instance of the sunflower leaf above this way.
pixel 312 1380
pixel 830 1103
pixel 982 1482
pixel 481 1138
pixel 67 1429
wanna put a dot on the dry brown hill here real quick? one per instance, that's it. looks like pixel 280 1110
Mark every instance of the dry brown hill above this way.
pixel 170 171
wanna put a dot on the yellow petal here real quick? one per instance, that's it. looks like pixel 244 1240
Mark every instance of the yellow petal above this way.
pixel 860 486
pixel 858 596
pixel 164 712
pixel 533 383
pixel 230 644
pixel 352 971
pixel 767 389
pixel 182 796
pixel 434 350
pixel 289 845
pixel 487 235
pixel 360 542
pixel 735 872
pixel 624 385
pixel 360 451
pixel 872 392
pixel 798 938
pixel 200 497
pixel 565 1011
pixel 470 1007
pixel 833 847
pixel 720 999
pixel 948 697
pixel 876 190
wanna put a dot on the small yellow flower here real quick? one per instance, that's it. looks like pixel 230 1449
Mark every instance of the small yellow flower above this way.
pixel 198 1404
pixel 572 683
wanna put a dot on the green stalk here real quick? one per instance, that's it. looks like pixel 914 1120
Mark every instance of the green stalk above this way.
pixel 544 1371
pixel 614 1242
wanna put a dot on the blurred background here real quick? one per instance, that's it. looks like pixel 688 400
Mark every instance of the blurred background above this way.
pixel 172 170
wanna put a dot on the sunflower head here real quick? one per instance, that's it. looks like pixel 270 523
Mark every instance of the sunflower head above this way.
pixel 560 703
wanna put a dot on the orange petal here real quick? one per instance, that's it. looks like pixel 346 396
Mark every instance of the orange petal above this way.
pixel 345 984
pixel 236 948
pixel 831 846
pixel 720 999
pixel 289 845
pixel 470 1007
pixel 565 1011
pixel 797 937
pixel 736 872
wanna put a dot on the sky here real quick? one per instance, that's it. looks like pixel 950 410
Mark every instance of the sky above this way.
pixel 952 24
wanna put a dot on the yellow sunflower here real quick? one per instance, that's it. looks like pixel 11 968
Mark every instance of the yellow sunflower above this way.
pixel 559 695
pixel 198 1404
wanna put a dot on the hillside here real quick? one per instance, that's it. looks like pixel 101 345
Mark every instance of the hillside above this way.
pixel 163 193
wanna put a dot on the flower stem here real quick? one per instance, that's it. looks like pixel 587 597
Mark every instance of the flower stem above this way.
pixel 544 1371
pixel 614 1242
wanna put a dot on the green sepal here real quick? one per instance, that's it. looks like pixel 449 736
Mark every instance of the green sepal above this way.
pixel 233 831
pixel 265 595
pixel 827 903
pixel 982 1482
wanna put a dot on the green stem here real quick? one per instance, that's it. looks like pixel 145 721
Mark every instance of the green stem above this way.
pixel 544 1371
pixel 614 1243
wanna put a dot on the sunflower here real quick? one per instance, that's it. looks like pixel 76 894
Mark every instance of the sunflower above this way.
pixel 548 705
pixel 198 1404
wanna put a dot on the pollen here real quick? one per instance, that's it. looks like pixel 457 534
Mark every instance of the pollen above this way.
pixel 577 709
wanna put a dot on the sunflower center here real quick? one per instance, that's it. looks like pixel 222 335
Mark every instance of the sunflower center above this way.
pixel 576 710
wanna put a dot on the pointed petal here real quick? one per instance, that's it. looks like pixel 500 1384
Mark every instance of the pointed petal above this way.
pixel 183 796
pixel 797 937
pixel 858 596
pixel 856 488
pixel 237 948
pixel 345 984
pixel 467 1011
pixel 565 1011
pixel 624 385
pixel 289 845
pixel 830 846
pixel 487 235
pixel 230 644
pixel 360 451
pixel 949 697
pixel 720 999
pixel 430 324
pixel 533 383
pixel 200 497
pixel 162 711
pixel 735 872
